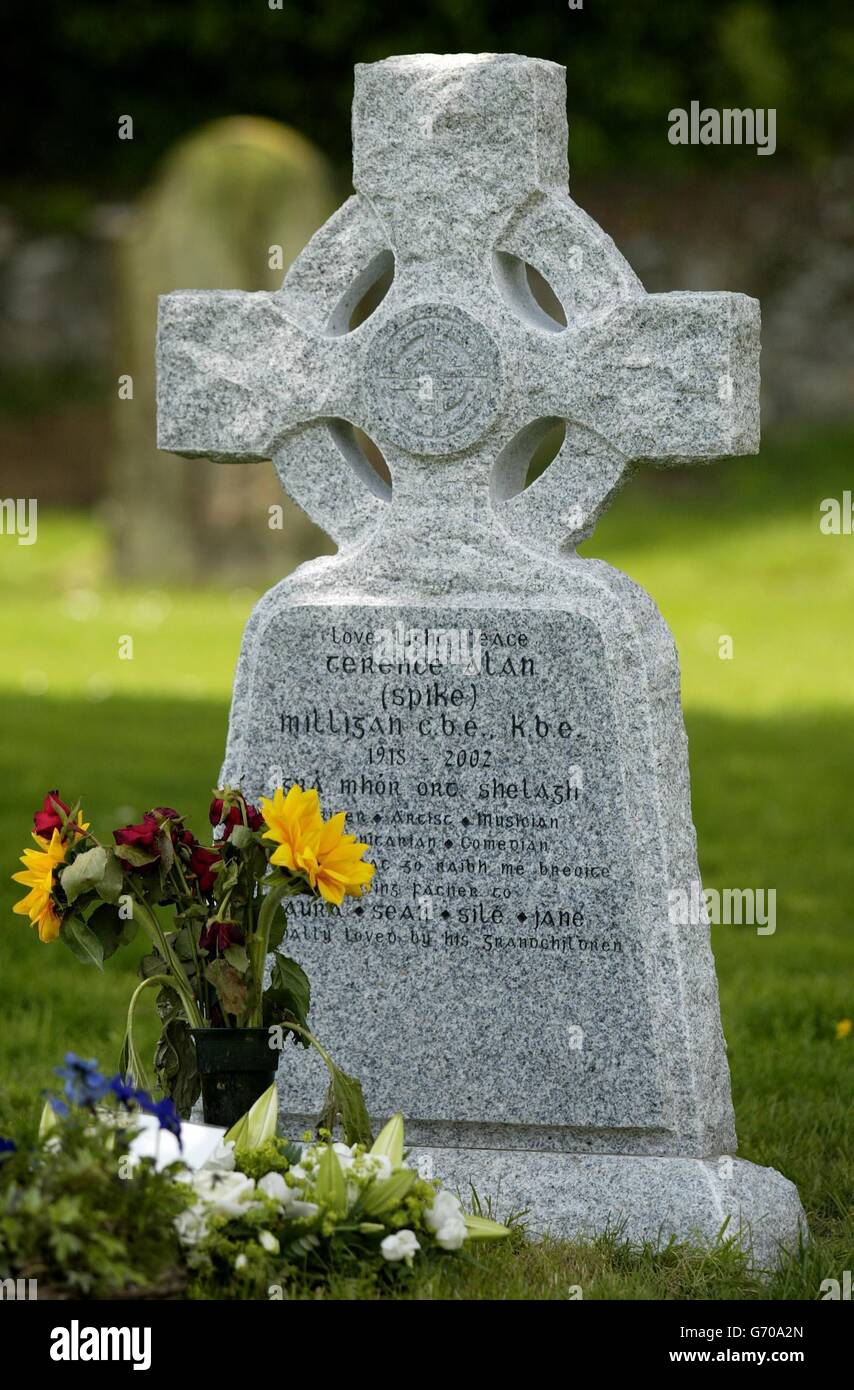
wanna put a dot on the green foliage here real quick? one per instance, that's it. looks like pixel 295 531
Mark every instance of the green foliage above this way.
pixel 175 1065
pixel 288 996
pixel 77 1218
pixel 345 1105
pixel 274 1156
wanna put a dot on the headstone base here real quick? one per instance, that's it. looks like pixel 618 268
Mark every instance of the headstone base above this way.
pixel 648 1199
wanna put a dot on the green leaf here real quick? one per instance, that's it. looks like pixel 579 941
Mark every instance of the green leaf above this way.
pixel 288 996
pixel 168 1004
pixel 480 1228
pixel 330 1187
pixel 183 943
pixel 151 964
pixel 258 1124
pixel 108 927
pixel 389 1141
pixel 226 879
pixel 83 872
pixel 345 1103
pixel 231 990
pixel 129 929
pixel 384 1194
pixel 48 1120
pixel 82 942
pixel 175 1063
pixel 129 854
pixel 111 882
pixel 277 934
pixel 241 836
pixel 167 851
pixel 236 956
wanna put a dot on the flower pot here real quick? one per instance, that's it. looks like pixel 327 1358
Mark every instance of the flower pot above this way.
pixel 236 1066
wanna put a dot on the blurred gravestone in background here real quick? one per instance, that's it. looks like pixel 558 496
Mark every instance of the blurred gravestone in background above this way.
pixel 223 198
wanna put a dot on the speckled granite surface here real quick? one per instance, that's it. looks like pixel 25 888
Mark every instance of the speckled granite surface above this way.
pixel 514 983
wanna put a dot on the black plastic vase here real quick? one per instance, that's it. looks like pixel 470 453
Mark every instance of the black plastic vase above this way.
pixel 236 1066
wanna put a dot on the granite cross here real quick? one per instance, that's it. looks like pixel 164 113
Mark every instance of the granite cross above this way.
pixel 460 167
pixel 516 982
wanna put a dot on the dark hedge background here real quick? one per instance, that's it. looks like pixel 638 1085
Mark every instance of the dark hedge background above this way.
pixel 80 64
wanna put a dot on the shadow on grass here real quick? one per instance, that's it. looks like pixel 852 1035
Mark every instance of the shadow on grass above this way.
pixel 795 470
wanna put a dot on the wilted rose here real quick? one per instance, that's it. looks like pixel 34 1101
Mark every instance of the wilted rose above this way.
pixel 232 815
pixel 203 864
pixel 218 936
pixel 143 836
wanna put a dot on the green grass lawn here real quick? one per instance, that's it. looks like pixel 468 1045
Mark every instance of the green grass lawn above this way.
pixel 734 550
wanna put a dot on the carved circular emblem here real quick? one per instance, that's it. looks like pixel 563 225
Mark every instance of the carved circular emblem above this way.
pixel 433 377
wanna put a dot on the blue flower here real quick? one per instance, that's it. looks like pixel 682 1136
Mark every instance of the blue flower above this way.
pixel 8 1146
pixel 165 1112
pixel 84 1084
pixel 125 1094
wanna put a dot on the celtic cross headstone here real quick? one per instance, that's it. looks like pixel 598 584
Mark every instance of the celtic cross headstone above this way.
pixel 500 716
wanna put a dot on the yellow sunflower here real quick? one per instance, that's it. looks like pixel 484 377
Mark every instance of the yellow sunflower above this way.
pixel 331 861
pixel 39 865
pixel 289 820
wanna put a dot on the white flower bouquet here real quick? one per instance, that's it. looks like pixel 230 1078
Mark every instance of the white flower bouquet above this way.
pixel 262 1207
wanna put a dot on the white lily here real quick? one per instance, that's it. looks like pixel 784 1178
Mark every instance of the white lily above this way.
pixel 400 1246
pixel 274 1186
pixel 221 1160
pixel 192 1224
pixel 452 1233
pixel 389 1141
pixel 227 1193
pixel 258 1124
pixel 446 1207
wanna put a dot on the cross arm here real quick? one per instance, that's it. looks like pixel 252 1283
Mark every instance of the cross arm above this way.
pixel 672 378
pixel 235 372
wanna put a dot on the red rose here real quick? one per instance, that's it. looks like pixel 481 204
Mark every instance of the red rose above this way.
pixel 234 815
pixel 203 863
pixel 217 936
pixel 143 836
pixel 146 834
pixel 48 818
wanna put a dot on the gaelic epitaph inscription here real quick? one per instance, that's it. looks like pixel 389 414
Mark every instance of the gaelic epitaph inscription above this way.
pixel 480 764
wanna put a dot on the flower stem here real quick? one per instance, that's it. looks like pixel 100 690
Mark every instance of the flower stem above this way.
pixel 134 1059
pixel 260 941
pixel 179 981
